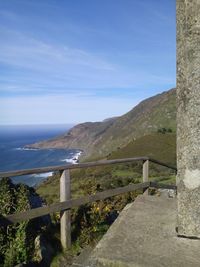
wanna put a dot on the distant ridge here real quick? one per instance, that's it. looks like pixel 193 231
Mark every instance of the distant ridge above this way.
pixel 98 139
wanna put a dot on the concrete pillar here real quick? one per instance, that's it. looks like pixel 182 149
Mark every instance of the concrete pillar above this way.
pixel 188 117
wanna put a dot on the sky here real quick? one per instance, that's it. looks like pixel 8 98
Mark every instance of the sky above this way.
pixel 66 61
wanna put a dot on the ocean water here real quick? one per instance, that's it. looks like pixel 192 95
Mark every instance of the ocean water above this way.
pixel 13 155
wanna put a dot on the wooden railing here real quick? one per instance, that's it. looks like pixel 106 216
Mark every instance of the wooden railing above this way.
pixel 66 203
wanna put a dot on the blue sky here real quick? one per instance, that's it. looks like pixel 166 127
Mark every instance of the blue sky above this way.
pixel 72 61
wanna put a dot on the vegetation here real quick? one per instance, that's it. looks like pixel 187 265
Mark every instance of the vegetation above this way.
pixel 156 145
pixel 164 130
pixel 90 222
pixel 16 241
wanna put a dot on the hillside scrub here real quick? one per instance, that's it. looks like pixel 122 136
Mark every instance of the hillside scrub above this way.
pixel 90 222
pixel 17 240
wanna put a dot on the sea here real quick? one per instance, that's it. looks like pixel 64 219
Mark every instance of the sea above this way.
pixel 14 155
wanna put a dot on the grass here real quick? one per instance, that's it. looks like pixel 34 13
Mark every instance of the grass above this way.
pixel 171 179
pixel 124 173
pixel 157 145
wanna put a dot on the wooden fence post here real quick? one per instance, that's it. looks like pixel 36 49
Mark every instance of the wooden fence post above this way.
pixel 65 216
pixel 145 171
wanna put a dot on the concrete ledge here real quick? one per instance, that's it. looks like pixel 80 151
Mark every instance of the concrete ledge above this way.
pixel 144 235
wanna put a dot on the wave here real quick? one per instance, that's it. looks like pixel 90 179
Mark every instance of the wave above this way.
pixel 69 161
pixel 50 159
pixel 43 175
pixel 25 149
pixel 39 178
pixel 74 159
pixel 32 179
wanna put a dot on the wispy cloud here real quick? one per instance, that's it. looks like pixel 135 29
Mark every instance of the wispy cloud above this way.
pixel 49 66
pixel 70 54
pixel 17 49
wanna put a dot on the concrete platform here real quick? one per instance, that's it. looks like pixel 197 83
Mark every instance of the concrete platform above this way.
pixel 144 235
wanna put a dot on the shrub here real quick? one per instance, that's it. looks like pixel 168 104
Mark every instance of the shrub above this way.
pixel 164 130
pixel 17 240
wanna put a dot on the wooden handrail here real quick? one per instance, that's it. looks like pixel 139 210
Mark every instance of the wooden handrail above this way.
pixel 155 184
pixel 163 164
pixel 81 165
pixel 66 203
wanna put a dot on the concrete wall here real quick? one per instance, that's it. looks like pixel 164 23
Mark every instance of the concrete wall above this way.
pixel 188 117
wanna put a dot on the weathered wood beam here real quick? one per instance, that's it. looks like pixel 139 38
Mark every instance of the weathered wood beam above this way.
pixel 69 166
pixel 82 165
pixel 163 164
pixel 65 205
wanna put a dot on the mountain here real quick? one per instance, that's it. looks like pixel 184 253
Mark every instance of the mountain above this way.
pixel 98 139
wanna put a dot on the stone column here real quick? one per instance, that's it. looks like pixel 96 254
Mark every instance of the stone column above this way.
pixel 188 117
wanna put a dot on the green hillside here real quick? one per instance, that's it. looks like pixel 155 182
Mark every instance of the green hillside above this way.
pixel 98 139
pixel 147 117
pixel 156 145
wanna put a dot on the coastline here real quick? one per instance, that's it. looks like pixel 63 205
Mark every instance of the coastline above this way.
pixel 34 180
pixel 17 155
pixel 44 176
